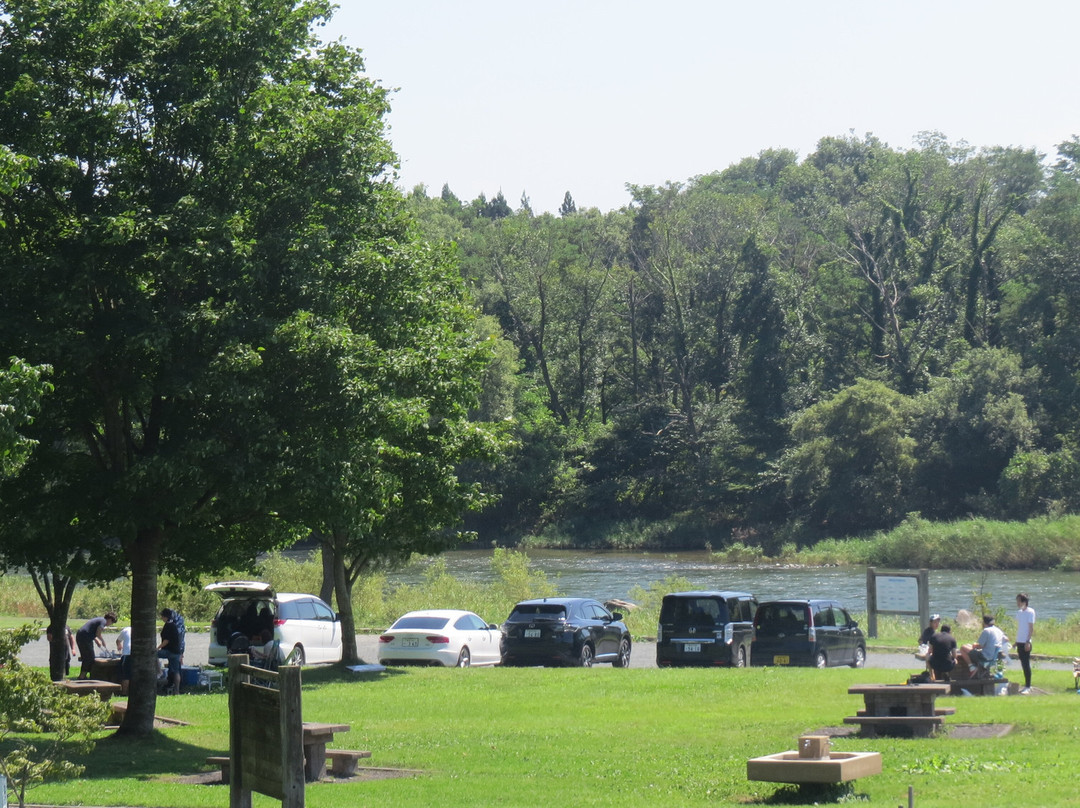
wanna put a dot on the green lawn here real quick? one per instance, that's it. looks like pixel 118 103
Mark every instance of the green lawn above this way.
pixel 558 737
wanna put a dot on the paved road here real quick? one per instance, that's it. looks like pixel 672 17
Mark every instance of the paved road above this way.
pixel 643 656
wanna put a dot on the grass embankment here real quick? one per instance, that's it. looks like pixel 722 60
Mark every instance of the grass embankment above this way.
pixel 971 544
pixel 599 737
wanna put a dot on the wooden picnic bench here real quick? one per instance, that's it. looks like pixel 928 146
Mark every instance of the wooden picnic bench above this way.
pixel 343 763
pixel 900 709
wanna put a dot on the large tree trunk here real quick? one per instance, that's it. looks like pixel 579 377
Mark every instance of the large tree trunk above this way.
pixel 143 556
pixel 342 589
pixel 55 591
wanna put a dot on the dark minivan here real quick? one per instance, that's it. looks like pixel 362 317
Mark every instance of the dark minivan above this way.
pixel 705 628
pixel 807 632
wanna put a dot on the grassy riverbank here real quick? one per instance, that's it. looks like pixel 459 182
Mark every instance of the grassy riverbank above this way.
pixel 983 544
pixel 596 737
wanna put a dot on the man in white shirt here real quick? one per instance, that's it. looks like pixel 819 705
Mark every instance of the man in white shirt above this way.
pixel 1025 630
pixel 123 647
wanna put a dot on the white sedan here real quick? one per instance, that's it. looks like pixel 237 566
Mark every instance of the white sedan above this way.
pixel 448 637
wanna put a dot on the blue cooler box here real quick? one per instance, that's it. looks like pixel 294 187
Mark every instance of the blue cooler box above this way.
pixel 189 676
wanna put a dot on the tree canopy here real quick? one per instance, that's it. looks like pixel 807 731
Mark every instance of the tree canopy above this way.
pixel 207 247
pixel 788 348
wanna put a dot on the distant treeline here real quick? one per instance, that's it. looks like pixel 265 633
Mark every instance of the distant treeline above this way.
pixel 785 350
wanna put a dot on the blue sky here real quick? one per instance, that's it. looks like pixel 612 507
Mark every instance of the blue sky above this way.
pixel 587 96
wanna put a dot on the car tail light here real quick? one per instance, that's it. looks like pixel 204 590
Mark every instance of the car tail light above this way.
pixel 729 633
pixel 278 621
pixel 386 638
pixel 437 639
pixel 659 633
pixel 813 634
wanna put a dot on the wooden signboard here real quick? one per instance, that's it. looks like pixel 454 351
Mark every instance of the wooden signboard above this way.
pixel 897 593
pixel 266 752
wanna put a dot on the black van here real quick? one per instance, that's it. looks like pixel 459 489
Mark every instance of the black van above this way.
pixel 820 633
pixel 705 628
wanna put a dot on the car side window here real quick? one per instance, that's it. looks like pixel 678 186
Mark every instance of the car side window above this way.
pixel 287 611
pixel 843 618
pixel 322 612
pixel 599 612
pixel 305 610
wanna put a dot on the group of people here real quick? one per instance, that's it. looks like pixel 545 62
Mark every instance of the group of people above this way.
pixel 90 637
pixel 944 655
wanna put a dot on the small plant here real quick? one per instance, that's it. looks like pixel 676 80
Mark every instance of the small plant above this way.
pixel 41 726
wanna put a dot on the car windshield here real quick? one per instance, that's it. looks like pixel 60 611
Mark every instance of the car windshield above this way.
pixel 421 622
pixel 538 611
pixel 694 611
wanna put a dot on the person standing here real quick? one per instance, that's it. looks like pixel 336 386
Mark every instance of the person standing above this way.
pixel 123 647
pixel 90 635
pixel 169 649
pixel 69 646
pixel 1025 630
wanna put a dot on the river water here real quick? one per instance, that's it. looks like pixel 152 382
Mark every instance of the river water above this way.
pixel 606 575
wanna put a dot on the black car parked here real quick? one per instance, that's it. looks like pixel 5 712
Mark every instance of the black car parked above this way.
pixel 565 631
pixel 705 628
pixel 807 632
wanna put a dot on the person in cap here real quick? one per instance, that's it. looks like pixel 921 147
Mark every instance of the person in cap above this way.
pixel 930 630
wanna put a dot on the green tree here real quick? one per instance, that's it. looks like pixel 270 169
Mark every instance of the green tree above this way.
pixel 21 390
pixel 201 174
pixel 852 461
pixel 42 727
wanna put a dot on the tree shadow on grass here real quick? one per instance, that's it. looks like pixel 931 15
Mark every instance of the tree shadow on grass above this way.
pixel 814 794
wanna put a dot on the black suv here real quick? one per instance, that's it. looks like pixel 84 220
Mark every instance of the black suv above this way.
pixel 807 632
pixel 705 628
pixel 564 631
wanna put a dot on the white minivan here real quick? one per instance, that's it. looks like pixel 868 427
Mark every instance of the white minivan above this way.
pixel 304 626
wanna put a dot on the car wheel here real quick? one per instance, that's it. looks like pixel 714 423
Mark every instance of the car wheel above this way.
pixel 740 658
pixel 820 661
pixel 464 659
pixel 623 659
pixel 296 656
pixel 860 657
pixel 585 656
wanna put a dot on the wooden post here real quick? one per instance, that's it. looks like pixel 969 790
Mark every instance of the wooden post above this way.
pixel 292 737
pixel 871 603
pixel 239 795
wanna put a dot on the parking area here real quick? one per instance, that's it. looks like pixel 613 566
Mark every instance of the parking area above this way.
pixel 643 656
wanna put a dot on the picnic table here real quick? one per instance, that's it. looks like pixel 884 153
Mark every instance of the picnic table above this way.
pixel 105 690
pixel 900 709
pixel 316 738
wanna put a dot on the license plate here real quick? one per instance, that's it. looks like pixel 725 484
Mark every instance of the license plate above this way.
pixel 410 642
pixel 781 659
pixel 532 633
pixel 692 648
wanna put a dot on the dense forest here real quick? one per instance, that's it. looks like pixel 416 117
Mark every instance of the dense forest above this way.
pixel 783 350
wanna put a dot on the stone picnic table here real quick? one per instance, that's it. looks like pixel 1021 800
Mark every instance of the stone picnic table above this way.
pixel 317 736
pixel 104 689
pixel 900 709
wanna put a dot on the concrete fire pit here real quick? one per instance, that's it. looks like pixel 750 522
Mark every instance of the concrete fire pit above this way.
pixel 813 762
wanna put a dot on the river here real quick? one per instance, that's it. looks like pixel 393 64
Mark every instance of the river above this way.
pixel 606 575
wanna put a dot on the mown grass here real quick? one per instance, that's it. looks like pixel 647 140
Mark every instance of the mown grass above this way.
pixel 559 737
